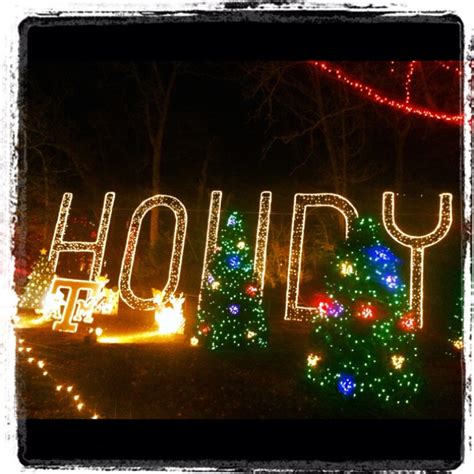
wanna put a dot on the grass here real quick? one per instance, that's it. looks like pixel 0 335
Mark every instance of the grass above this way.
pixel 171 380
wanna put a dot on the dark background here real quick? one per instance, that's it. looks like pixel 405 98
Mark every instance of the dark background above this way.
pixel 86 90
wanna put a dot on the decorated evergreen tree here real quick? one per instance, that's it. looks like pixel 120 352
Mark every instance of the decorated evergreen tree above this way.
pixel 364 342
pixel 231 312
pixel 39 281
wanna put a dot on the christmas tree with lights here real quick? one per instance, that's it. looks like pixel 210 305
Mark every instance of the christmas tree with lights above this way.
pixel 39 281
pixel 364 342
pixel 230 313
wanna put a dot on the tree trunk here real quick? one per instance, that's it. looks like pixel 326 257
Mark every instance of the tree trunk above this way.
pixel 46 198
pixel 155 183
pixel 157 156
pixel 400 158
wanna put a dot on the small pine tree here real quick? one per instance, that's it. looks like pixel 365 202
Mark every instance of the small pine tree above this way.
pixel 39 281
pixel 231 312
pixel 364 343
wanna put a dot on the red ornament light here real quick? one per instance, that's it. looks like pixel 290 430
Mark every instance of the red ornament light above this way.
pixel 205 328
pixel 377 96
pixel 251 290
pixel 321 302
pixel 408 322
pixel 366 311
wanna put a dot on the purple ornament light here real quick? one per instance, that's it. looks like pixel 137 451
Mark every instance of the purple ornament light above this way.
pixel 234 309
pixel 391 281
pixel 334 309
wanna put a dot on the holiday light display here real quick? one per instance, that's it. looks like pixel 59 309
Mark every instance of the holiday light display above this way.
pixel 458 344
pixel 37 360
pixel 108 303
pixel 449 67
pixel 179 211
pixel 109 300
pixel 231 314
pixel 397 361
pixel 346 384
pixel 377 96
pixel 53 307
pixel 417 244
pixel 53 304
pixel 408 79
pixel 313 360
pixel 366 311
pixel 260 244
pixel 364 353
pixel 301 201
pixel 408 322
pixel 76 308
pixel 346 268
pixel 326 306
pixel 211 238
pixel 97 247
pixel 169 314
pixel 262 238
pixel 39 282
pixel 131 338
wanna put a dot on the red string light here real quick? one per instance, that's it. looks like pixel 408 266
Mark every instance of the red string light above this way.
pixel 377 96
pixel 448 67
pixel 408 78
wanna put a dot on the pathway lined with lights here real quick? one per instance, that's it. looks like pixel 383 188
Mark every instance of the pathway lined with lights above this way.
pixel 30 356
pixel 176 381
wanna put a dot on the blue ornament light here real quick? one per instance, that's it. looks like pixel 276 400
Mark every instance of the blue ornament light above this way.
pixel 232 221
pixel 346 384
pixel 233 261
pixel 210 279
pixel 391 281
pixel 234 309
pixel 381 254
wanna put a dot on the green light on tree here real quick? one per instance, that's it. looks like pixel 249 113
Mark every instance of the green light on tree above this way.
pixel 364 342
pixel 231 312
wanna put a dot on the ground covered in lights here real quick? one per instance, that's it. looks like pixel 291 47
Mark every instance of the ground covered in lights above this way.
pixel 168 378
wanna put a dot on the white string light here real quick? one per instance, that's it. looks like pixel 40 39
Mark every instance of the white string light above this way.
pixel 301 201
pixel 97 247
pixel 262 237
pixel 211 236
pixel 126 292
pixel 417 244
